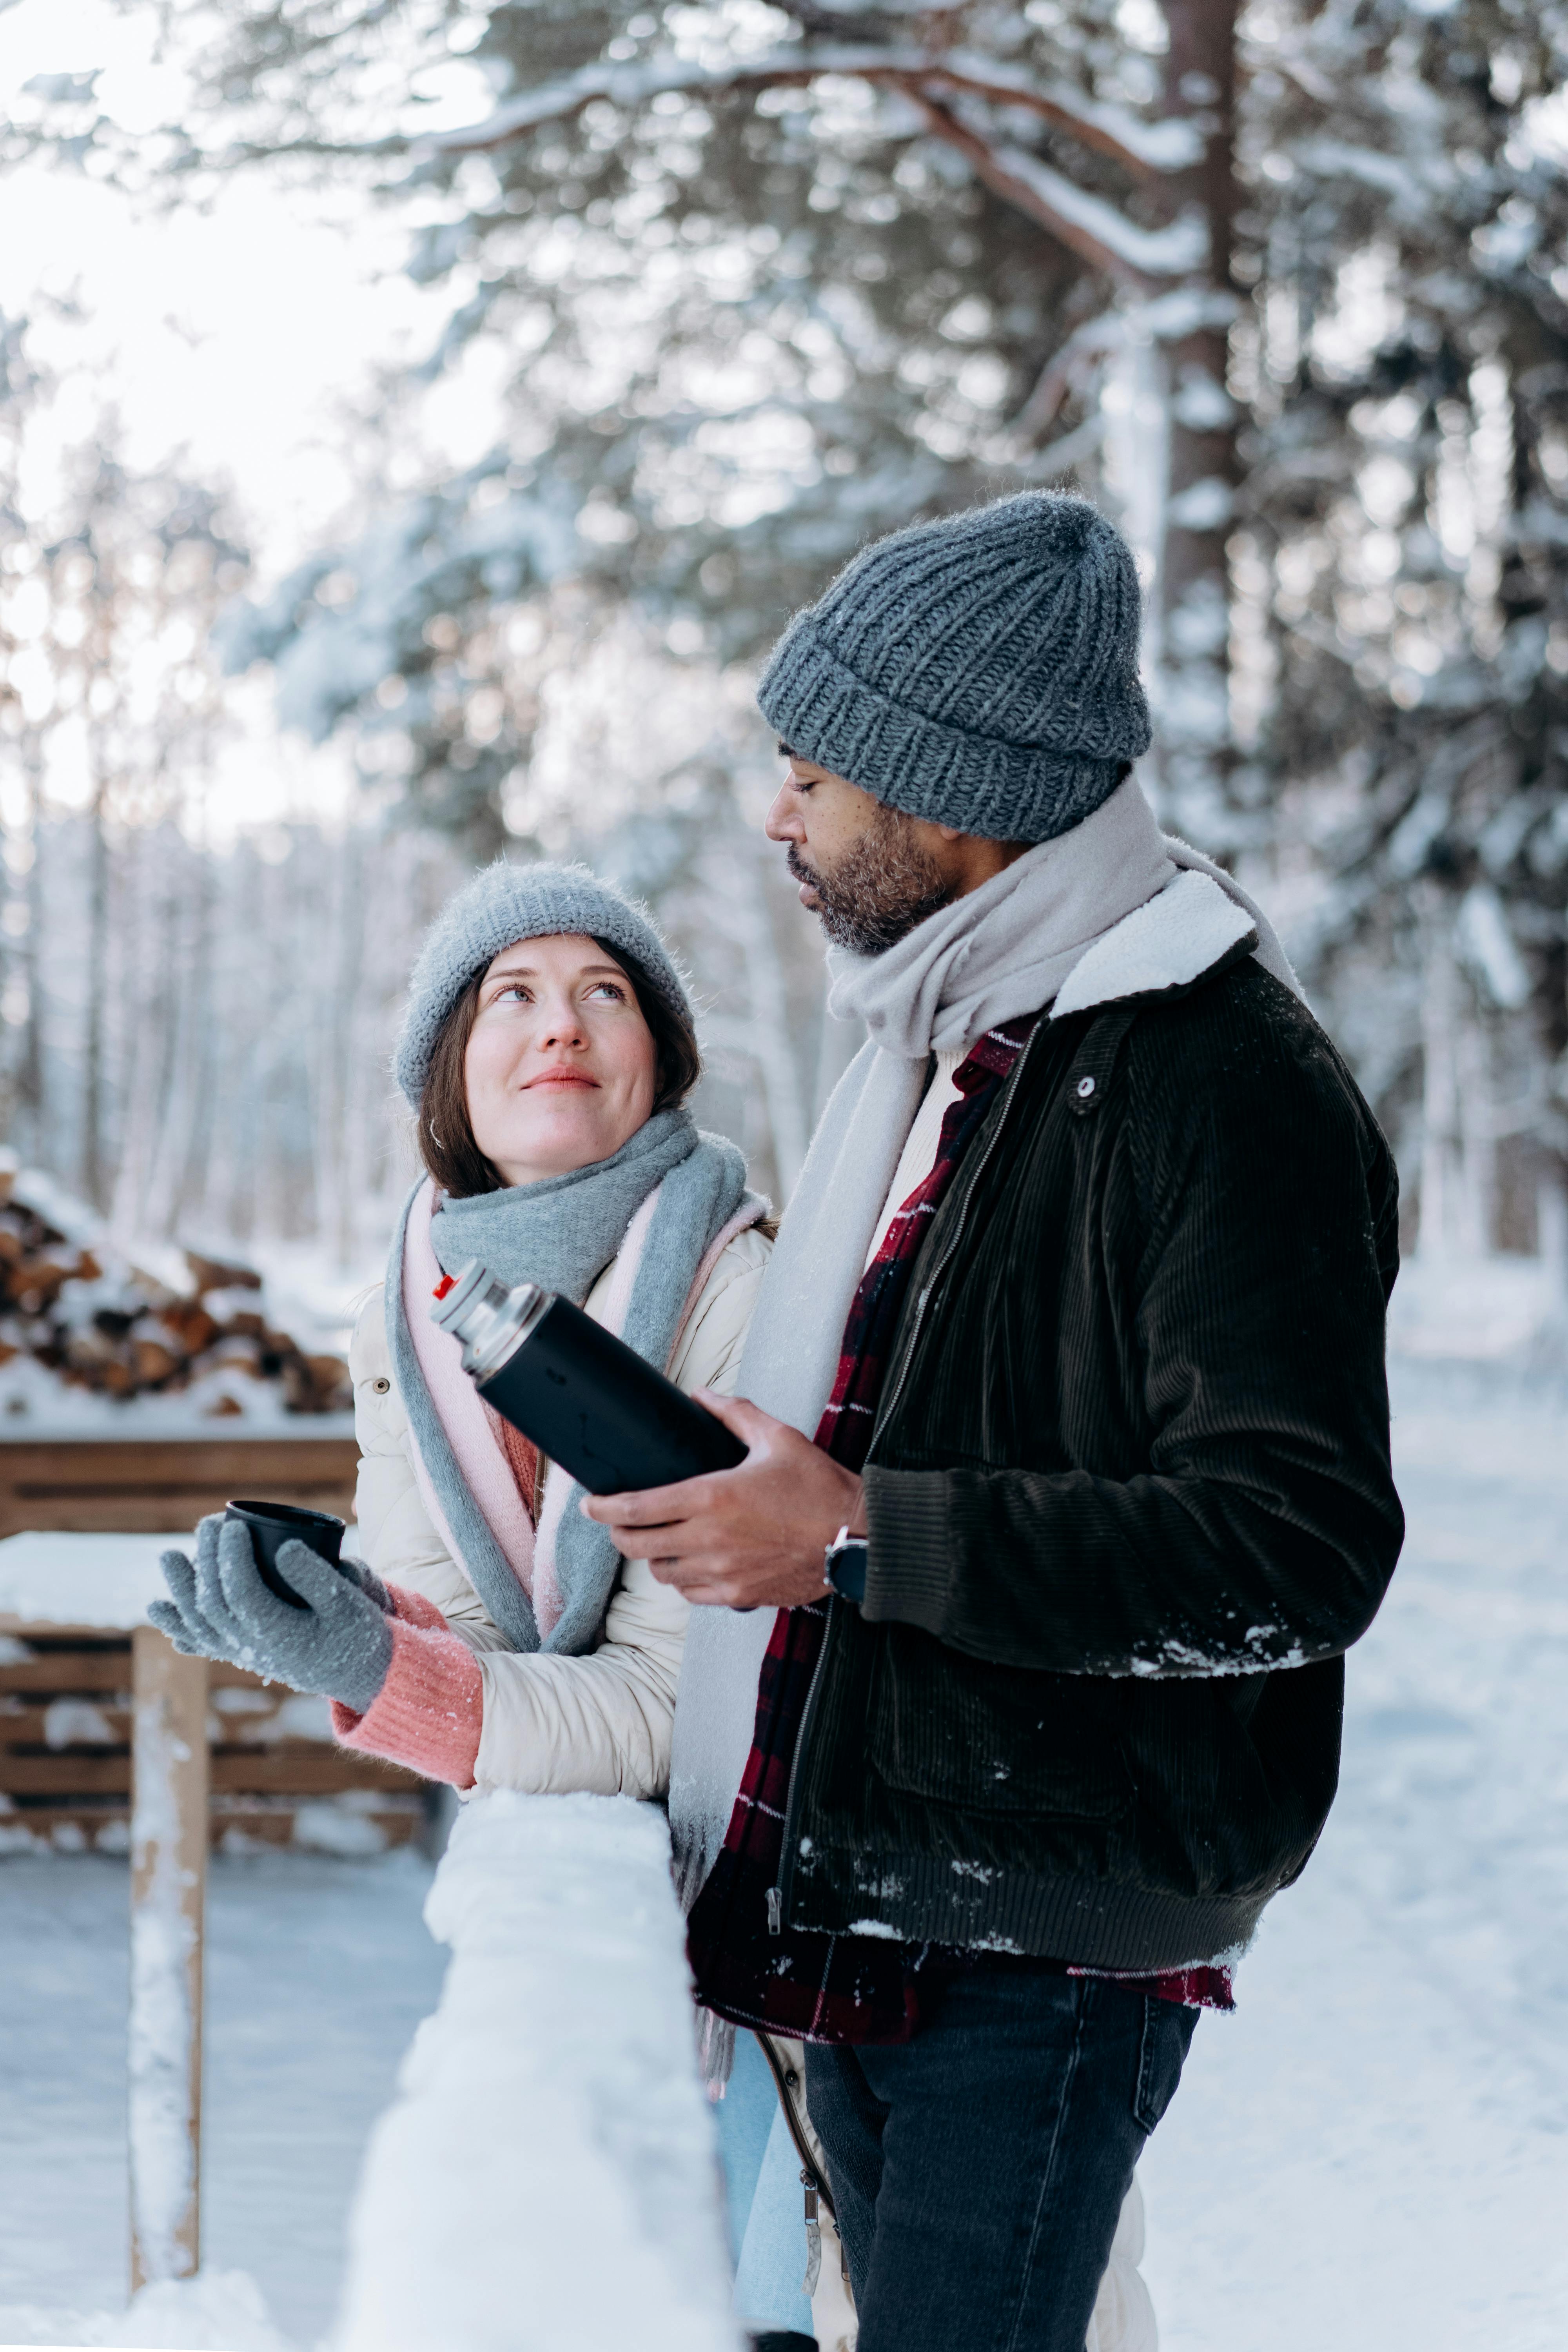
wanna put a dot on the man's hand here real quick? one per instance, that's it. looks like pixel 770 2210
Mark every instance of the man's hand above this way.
pixel 751 1538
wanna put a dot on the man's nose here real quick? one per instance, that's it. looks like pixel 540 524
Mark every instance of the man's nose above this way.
pixel 783 820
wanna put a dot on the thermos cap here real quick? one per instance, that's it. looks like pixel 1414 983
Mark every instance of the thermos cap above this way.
pixel 453 1292
pixel 489 1319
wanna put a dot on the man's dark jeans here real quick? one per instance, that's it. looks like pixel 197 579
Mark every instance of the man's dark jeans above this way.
pixel 979 2169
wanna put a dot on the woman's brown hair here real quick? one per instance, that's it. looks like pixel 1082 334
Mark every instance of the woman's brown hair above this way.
pixel 446 1142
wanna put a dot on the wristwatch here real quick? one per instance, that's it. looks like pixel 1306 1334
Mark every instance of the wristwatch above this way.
pixel 844 1565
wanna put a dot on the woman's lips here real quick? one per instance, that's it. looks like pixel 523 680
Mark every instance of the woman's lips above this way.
pixel 560 1078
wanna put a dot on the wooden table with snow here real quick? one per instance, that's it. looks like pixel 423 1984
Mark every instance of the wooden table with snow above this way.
pixel 101 1580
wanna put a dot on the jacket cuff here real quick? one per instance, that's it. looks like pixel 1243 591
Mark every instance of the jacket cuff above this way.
pixel 429 1711
pixel 415 1610
pixel 909 1556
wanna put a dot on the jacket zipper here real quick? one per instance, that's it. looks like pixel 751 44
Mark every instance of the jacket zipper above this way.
pixel 786 1859
pixel 792 2124
pixel 778 1893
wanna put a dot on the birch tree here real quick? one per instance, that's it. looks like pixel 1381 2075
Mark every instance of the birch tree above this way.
pixel 113 578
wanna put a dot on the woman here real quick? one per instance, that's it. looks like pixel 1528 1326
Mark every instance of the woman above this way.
pixel 493 1638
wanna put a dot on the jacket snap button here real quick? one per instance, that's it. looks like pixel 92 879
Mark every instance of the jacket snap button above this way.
pixel 1085 1088
pixel 792 2079
pixel 381 1386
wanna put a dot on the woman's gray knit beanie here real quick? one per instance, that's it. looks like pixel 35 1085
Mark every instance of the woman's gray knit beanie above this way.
pixel 981 671
pixel 505 903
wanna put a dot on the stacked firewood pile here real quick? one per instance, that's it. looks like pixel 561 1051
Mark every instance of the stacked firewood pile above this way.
pixel 105 1326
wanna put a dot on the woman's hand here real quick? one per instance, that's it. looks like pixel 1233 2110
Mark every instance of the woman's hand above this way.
pixel 751 1538
pixel 184 1619
pixel 338 1643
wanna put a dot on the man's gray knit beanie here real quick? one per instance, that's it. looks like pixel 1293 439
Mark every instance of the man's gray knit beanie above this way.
pixel 505 903
pixel 981 671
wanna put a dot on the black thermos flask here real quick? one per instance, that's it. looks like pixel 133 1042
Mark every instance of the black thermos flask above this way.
pixel 585 1399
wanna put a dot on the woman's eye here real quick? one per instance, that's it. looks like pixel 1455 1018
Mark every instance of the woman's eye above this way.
pixel 608 988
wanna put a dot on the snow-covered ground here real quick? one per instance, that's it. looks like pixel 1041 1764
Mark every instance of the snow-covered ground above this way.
pixel 318 1972
pixel 1372 2156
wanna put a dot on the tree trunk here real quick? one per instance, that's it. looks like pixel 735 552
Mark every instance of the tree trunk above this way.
pixel 1203 465
pixel 93 1179
pixel 733 880
pixel 1458 1149
pixel 339 1160
pixel 188 1196
pixel 30 1075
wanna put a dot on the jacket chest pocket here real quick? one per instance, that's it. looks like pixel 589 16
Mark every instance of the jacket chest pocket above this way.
pixel 958 1731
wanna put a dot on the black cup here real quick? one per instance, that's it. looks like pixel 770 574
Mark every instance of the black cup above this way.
pixel 275 1524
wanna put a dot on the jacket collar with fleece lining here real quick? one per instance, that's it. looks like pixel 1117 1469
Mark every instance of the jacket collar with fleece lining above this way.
pixel 1185 931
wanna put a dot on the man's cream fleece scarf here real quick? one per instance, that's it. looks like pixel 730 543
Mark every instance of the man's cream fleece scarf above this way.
pixel 1004 949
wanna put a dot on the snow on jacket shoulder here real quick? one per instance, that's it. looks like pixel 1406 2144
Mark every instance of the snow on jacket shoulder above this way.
pixel 552 1724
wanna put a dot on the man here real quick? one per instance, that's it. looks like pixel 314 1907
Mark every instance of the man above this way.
pixel 1082 1296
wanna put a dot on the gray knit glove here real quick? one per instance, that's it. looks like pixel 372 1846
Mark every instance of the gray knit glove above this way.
pixel 183 1619
pixel 192 1621
pixel 337 1645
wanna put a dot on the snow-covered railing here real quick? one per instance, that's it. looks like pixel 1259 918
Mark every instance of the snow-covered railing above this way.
pixel 548 2176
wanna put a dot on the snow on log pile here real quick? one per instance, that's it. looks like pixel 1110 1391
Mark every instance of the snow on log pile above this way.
pixel 548 2173
pixel 88 1336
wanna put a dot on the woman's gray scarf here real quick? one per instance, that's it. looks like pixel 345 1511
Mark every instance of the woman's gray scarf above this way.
pixel 1003 950
pixel 562 1233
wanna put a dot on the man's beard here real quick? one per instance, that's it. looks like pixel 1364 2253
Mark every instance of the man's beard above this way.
pixel 879 889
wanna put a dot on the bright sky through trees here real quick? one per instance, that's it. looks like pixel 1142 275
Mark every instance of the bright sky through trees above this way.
pixel 244 334
pixel 238 332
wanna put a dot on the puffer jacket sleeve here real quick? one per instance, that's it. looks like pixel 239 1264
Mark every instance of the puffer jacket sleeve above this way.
pixel 552 1724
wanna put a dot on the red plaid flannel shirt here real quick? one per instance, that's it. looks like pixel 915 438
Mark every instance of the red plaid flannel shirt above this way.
pixel 748 1965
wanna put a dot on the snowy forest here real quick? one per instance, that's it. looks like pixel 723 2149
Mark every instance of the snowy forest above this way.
pixel 1282 287
pixel 418 419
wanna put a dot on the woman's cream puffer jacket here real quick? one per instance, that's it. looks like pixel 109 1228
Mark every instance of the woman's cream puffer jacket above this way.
pixel 599 1722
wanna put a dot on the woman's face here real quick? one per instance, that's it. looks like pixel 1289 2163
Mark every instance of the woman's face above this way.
pixel 561 1068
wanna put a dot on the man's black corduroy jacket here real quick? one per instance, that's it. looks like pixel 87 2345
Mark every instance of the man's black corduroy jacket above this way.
pixel 1129 1497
